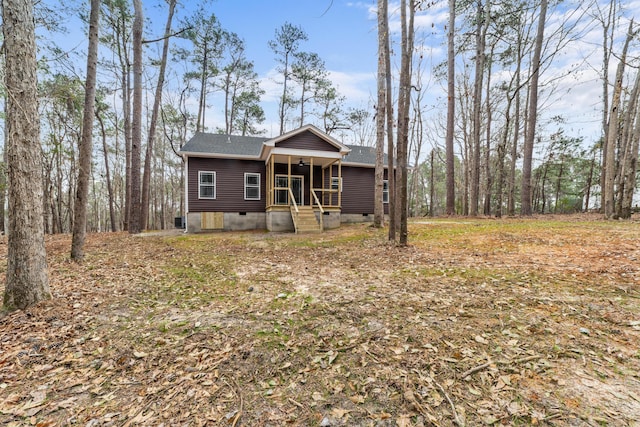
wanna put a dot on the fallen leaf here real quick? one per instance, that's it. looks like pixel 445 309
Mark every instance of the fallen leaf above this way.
pixel 339 412
pixel 357 398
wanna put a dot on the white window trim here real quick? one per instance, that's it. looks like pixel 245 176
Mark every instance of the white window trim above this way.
pixel 385 181
pixel 246 174
pixel 215 184
pixel 339 182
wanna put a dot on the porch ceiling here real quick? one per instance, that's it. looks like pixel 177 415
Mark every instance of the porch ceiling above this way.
pixel 295 159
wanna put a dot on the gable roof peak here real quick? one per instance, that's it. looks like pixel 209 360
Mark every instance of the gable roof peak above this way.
pixel 313 129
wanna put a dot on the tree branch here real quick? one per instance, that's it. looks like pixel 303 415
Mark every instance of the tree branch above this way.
pixel 177 33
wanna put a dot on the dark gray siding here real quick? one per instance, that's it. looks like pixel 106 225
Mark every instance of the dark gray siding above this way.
pixel 358 189
pixel 229 185
pixel 307 141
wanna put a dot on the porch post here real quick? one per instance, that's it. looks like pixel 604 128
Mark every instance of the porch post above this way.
pixel 289 177
pixel 323 193
pixel 311 181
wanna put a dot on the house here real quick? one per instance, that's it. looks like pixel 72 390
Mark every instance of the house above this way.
pixel 304 180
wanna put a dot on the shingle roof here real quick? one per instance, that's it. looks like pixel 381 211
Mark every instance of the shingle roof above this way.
pixel 362 155
pixel 251 146
pixel 211 143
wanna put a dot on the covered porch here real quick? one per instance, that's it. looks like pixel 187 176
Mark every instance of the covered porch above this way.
pixel 303 191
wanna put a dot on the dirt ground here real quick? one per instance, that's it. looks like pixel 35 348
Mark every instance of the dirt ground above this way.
pixel 477 322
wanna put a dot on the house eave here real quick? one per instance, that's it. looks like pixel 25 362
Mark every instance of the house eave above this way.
pixel 218 155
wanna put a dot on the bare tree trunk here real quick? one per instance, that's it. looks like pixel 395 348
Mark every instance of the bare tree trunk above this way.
pixel 589 182
pixel 107 170
pixel 451 93
pixel 203 87
pixel 86 142
pixel 608 23
pixel 391 171
pixel 378 209
pixel 432 185
pixel 559 183
pixel 631 168
pixel 511 204
pixel 487 154
pixel 404 102
pixel 482 22
pixel 532 114
pixel 27 281
pixel 125 69
pixel 3 182
pixel 626 186
pixel 146 176
pixel 136 128
pixel 502 150
pixel 612 133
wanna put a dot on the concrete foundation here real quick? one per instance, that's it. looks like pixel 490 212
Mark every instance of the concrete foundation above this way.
pixel 355 218
pixel 331 219
pixel 279 221
pixel 274 220
pixel 232 221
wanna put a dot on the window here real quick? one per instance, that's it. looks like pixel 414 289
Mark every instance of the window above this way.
pixel 385 191
pixel 252 186
pixel 336 183
pixel 206 185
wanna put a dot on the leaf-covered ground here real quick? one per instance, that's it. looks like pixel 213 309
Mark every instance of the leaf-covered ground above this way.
pixel 477 322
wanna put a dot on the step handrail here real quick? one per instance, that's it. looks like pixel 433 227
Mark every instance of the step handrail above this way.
pixel 315 197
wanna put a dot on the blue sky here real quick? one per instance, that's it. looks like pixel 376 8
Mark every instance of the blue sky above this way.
pixel 343 33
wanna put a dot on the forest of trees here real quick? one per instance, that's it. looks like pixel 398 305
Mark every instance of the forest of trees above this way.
pixel 497 158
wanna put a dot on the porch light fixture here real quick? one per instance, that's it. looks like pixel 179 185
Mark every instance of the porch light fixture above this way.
pixel 301 163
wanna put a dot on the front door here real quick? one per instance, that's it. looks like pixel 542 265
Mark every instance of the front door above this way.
pixel 297 188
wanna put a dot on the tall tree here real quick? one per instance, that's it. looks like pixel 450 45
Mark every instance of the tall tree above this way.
pixel 285 46
pixel 532 113
pixel 241 88
pixel 482 23
pixel 608 22
pixel 157 100
pixel 629 164
pixel 27 281
pixel 86 141
pixel 613 132
pixel 116 34
pixel 308 71
pixel 329 106
pixel 391 170
pixel 136 124
pixel 451 65
pixel 378 209
pixel 107 168
pixel 404 102
pixel 206 34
